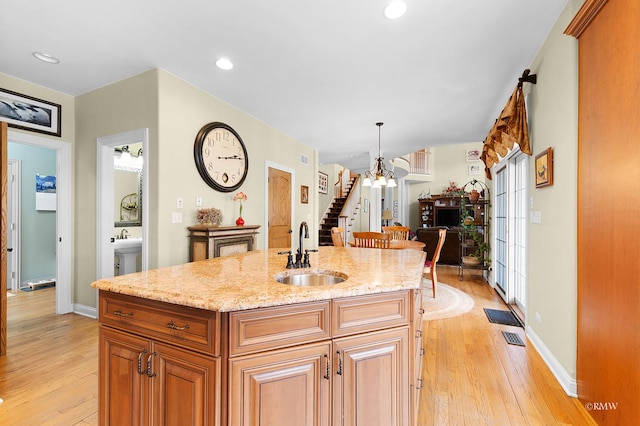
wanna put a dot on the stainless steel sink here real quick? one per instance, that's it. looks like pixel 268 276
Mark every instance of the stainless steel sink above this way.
pixel 311 278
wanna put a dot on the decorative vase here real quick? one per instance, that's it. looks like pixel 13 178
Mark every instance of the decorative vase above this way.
pixel 474 196
pixel 240 221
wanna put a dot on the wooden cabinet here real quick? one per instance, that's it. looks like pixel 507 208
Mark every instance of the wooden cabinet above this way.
pixel 206 242
pixel 371 381
pixel 144 382
pixel 157 363
pixel 282 387
pixel 348 361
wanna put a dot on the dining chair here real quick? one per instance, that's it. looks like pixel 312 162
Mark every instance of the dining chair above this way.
pixel 336 237
pixel 372 239
pixel 430 265
pixel 397 232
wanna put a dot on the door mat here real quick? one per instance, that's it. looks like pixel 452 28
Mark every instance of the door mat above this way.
pixel 502 317
pixel 512 338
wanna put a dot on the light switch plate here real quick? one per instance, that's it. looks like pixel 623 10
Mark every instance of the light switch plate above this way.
pixel 179 203
pixel 198 201
pixel 536 216
pixel 176 217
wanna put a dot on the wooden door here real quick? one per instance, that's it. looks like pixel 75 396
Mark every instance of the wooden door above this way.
pixel 284 387
pixel 371 382
pixel 123 391
pixel 279 209
pixel 185 387
pixel 4 158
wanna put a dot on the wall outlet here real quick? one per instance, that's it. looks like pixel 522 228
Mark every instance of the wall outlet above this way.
pixel 538 318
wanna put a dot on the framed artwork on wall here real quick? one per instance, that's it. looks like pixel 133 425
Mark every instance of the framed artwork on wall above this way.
pixel 28 113
pixel 304 194
pixel 544 168
pixel 473 155
pixel 323 183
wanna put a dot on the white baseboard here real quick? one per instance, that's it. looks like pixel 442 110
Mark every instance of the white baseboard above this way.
pixel 569 385
pixel 86 311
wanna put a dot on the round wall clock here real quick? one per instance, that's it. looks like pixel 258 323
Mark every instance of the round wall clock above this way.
pixel 221 157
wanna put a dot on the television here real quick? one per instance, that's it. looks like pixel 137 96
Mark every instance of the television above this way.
pixel 447 217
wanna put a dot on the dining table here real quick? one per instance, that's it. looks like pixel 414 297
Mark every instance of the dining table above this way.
pixel 400 244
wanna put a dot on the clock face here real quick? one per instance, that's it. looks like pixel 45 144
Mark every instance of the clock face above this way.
pixel 221 157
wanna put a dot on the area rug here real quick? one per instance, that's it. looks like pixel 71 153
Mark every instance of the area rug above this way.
pixel 449 301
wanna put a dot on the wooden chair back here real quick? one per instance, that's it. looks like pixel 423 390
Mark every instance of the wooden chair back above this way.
pixel 336 237
pixel 430 265
pixel 397 232
pixel 372 239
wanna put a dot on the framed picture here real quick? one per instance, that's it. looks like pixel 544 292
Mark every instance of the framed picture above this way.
pixel 323 182
pixel 304 194
pixel 474 169
pixel 24 112
pixel 544 168
pixel 473 155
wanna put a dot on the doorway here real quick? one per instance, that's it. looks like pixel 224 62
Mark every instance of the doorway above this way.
pixel 63 221
pixel 279 182
pixel 512 231
pixel 105 199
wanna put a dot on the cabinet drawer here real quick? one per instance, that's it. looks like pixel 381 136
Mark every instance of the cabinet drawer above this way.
pixel 371 312
pixel 272 328
pixel 193 328
pixel 418 310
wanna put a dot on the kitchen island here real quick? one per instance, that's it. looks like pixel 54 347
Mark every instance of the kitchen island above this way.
pixel 221 342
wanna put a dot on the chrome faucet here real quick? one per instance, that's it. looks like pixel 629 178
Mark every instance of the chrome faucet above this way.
pixel 124 234
pixel 304 226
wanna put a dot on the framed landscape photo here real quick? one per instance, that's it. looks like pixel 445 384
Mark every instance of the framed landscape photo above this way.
pixel 323 183
pixel 544 168
pixel 28 113
pixel 304 194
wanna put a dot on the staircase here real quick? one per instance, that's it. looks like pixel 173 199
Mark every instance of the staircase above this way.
pixel 332 217
pixel 331 220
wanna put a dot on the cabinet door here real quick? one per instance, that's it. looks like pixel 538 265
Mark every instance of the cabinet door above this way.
pixel 123 391
pixel 186 387
pixel 283 387
pixel 371 382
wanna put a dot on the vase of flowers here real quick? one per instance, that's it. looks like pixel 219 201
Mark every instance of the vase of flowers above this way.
pixel 209 216
pixel 240 196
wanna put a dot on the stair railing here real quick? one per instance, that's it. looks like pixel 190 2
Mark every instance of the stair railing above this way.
pixel 350 209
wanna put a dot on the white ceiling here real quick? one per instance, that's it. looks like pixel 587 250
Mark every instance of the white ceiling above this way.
pixel 321 71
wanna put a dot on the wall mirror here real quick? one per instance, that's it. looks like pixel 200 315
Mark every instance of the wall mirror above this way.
pixel 127 189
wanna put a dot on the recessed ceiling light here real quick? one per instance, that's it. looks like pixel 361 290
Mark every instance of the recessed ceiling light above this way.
pixel 46 58
pixel 395 9
pixel 224 64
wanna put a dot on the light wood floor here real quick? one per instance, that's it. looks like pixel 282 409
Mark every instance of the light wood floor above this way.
pixel 471 375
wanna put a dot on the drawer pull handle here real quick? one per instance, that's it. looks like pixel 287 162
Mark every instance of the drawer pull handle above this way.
pixel 421 311
pixel 422 351
pixel 119 313
pixel 328 375
pixel 140 370
pixel 149 365
pixel 420 383
pixel 418 333
pixel 173 326
pixel 339 372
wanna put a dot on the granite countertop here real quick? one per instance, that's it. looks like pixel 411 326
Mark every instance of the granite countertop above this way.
pixel 246 281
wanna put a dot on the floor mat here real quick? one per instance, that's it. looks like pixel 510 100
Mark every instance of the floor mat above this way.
pixel 502 317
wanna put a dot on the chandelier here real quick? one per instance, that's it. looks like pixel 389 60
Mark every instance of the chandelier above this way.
pixel 379 174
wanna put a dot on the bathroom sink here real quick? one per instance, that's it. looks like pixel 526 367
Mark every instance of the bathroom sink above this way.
pixel 308 278
pixel 127 245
